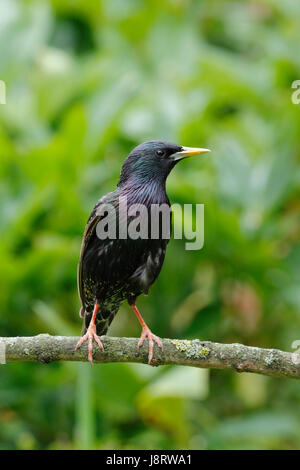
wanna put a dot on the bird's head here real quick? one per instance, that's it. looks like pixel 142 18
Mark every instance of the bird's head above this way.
pixel 154 160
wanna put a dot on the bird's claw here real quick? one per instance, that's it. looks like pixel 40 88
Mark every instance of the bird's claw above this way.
pixel 147 333
pixel 89 336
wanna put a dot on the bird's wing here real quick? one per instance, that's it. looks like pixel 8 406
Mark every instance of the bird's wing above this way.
pixel 88 232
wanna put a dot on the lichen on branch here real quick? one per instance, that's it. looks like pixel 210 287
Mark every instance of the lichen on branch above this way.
pixel 206 354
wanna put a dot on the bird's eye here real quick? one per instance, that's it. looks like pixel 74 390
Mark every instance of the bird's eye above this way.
pixel 160 153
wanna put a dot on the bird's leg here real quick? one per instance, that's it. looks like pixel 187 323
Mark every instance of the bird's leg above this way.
pixel 91 335
pixel 146 333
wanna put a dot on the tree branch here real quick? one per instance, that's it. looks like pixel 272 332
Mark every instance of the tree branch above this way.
pixel 45 349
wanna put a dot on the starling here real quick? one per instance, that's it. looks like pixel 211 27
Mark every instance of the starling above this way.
pixel 118 267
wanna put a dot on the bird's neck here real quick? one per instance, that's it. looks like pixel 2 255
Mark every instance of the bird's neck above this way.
pixel 144 191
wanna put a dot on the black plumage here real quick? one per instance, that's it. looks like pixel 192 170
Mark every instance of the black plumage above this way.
pixel 116 269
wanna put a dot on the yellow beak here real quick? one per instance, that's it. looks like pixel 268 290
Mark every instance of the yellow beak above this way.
pixel 189 152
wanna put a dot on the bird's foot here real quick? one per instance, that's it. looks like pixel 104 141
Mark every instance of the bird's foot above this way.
pixel 147 333
pixel 89 336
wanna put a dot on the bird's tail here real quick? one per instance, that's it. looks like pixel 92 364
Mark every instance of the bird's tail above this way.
pixel 103 320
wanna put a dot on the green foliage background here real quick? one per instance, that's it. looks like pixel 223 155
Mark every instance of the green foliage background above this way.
pixel 87 80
